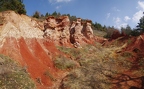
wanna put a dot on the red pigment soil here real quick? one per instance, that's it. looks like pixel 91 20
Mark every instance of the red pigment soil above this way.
pixel 51 47
pixel 35 59
pixel 11 48
pixel 35 67
pixel 135 46
pixel 137 43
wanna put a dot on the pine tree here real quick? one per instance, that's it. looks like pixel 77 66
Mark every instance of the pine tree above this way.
pixel 47 14
pixel 15 5
pixel 36 14
pixel 140 26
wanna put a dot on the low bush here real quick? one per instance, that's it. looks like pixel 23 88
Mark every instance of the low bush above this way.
pixel 64 63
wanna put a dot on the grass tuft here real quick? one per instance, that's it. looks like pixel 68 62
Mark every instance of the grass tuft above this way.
pixel 13 76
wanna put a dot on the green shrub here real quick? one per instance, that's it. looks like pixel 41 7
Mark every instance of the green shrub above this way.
pixel 64 63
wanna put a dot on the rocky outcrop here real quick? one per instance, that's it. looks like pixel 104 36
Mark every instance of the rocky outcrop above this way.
pixel 76 33
pixel 80 32
pixel 88 32
pixel 57 29
pixel 60 31
pixel 19 26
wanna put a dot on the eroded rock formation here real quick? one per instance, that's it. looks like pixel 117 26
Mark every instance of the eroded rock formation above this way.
pixel 17 26
pixel 60 30
pixel 88 32
pixel 57 29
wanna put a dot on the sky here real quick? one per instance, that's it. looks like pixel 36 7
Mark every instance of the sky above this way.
pixel 117 13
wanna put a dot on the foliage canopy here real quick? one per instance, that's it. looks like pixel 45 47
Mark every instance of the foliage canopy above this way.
pixel 140 26
pixel 15 5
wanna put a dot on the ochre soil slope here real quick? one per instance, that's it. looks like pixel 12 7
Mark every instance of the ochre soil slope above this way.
pixel 34 55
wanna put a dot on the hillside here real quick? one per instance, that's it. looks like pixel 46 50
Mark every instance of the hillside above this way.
pixel 58 54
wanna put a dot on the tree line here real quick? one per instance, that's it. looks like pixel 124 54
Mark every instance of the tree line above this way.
pixel 55 14
pixel 15 5
pixel 139 29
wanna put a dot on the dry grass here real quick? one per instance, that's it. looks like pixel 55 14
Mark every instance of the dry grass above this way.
pixel 99 66
pixel 99 33
pixel 13 76
pixel 62 62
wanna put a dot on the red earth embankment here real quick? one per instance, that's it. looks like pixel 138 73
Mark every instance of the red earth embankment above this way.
pixel 132 50
pixel 34 55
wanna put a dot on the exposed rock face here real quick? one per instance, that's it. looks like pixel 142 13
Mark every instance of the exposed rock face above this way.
pixel 59 30
pixel 54 29
pixel 88 32
pixel 19 26
pixel 80 33
pixel 76 33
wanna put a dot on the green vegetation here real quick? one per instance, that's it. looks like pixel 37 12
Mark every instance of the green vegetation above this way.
pixel 62 62
pixel 36 14
pixel 127 30
pixel 99 66
pixel 13 76
pixel 97 27
pixel 140 26
pixel 15 5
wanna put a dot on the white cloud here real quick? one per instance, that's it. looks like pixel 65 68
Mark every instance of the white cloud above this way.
pixel 139 13
pixel 50 1
pixel 63 0
pixel 126 18
pixel 108 15
pixel 117 20
pixel 115 9
pixel 123 25
pixel 58 1
pixel 119 23
pixel 141 4
pixel 137 16
pixel 57 7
